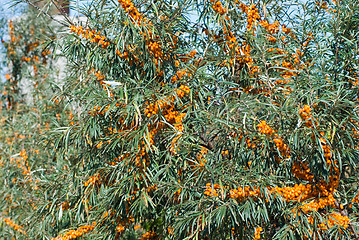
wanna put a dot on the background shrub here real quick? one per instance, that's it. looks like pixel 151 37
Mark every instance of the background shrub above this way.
pixel 183 119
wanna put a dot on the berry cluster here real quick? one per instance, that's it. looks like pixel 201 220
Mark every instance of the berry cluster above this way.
pixel 305 114
pixel 93 180
pixel 242 193
pixel 149 235
pixel 76 233
pixel 283 148
pixel 218 7
pixel 128 6
pixel 252 15
pixel 257 233
pixel 212 190
pixel 14 225
pixel 153 108
pixel 332 220
pixel 91 35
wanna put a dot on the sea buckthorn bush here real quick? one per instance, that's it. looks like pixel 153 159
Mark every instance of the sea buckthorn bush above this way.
pixel 183 119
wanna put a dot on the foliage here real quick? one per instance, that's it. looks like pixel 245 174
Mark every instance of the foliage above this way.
pixel 184 119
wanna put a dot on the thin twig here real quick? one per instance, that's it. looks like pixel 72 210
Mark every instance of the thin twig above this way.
pixel 61 11
pixel 45 13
